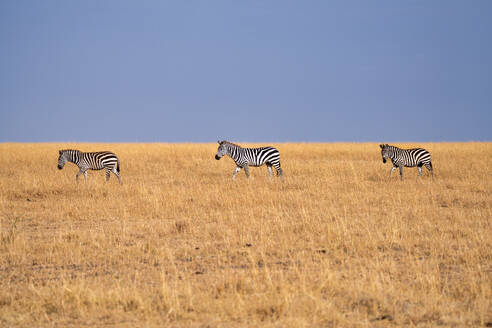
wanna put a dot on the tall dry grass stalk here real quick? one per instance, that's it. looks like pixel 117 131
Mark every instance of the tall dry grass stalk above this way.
pixel 335 242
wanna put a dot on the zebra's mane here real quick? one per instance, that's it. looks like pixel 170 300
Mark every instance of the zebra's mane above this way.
pixel 389 147
pixel 230 143
pixel 405 149
pixel 70 150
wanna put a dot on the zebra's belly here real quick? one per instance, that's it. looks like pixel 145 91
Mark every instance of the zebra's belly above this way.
pixel 250 164
pixel 406 164
pixel 97 168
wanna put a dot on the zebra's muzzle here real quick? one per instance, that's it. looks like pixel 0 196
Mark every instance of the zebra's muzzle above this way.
pixel 60 167
pixel 217 157
pixel 384 160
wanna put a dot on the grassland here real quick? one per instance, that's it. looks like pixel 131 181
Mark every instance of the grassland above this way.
pixel 334 243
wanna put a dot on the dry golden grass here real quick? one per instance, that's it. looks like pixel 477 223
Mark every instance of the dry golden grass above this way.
pixel 333 243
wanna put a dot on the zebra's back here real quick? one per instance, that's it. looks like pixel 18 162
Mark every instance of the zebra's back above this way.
pixel 416 156
pixel 262 155
pixel 100 160
pixel 413 157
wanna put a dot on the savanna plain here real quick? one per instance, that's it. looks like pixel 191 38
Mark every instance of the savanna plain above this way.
pixel 334 243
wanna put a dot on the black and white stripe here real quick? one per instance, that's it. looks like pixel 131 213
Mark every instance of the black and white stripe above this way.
pixel 245 157
pixel 90 161
pixel 406 157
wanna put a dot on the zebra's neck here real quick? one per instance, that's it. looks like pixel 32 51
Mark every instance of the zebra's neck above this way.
pixel 234 151
pixel 74 156
pixel 394 151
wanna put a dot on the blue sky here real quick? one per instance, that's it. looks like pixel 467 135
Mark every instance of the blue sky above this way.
pixel 258 71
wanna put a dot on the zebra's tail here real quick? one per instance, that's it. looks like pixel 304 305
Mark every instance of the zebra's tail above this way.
pixel 118 166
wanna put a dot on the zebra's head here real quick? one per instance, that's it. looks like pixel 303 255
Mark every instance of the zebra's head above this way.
pixel 385 152
pixel 62 159
pixel 222 150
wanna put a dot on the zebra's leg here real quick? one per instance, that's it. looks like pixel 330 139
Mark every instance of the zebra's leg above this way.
pixel 246 170
pixel 117 174
pixel 392 169
pixel 270 171
pixel 107 174
pixel 85 175
pixel 420 170
pixel 79 173
pixel 238 168
pixel 429 167
pixel 279 170
pixel 401 172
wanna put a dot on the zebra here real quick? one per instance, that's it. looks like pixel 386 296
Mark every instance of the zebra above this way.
pixel 245 157
pixel 407 157
pixel 90 161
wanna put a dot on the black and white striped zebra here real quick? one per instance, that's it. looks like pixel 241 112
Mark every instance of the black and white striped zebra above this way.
pixel 406 157
pixel 90 161
pixel 246 157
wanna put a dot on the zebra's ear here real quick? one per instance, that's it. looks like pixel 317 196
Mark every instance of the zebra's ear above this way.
pixel 60 152
pixel 381 146
pixel 218 141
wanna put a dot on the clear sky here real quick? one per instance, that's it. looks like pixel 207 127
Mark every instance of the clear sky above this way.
pixel 258 71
